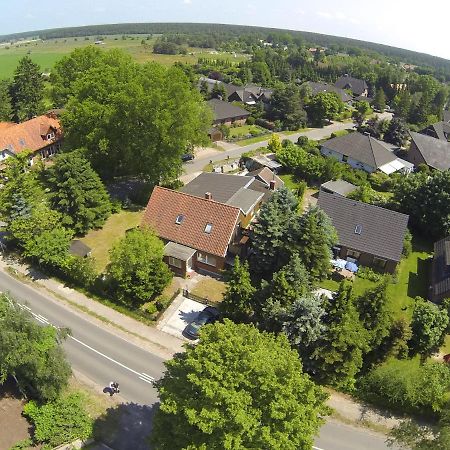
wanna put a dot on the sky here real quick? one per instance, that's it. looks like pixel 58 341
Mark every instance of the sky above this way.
pixel 411 24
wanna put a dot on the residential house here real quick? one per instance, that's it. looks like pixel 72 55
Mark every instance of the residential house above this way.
pixel 435 153
pixel 362 151
pixel 243 192
pixel 446 115
pixel 80 249
pixel 357 86
pixel 259 161
pixel 227 114
pixel 41 135
pixel 317 87
pixel 367 234
pixel 340 187
pixel 266 176
pixel 199 233
pixel 438 130
pixel 440 273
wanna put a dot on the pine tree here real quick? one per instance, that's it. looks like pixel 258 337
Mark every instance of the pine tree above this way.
pixel 78 193
pixel 238 297
pixel 379 102
pixel 314 236
pixel 5 102
pixel 27 90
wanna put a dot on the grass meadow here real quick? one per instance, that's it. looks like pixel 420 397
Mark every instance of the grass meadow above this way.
pixel 46 53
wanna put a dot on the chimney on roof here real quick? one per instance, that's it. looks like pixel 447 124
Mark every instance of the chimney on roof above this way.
pixel 272 185
pixel 208 195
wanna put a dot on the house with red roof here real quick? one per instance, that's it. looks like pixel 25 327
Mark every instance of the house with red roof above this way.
pixel 199 233
pixel 41 135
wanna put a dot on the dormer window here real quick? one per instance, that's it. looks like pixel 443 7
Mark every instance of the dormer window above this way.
pixel 358 229
pixel 50 136
pixel 208 228
pixel 179 219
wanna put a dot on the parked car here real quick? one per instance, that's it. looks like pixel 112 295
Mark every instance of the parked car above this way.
pixel 208 315
pixel 187 157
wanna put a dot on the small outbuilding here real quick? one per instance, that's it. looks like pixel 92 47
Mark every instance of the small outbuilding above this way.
pixel 79 248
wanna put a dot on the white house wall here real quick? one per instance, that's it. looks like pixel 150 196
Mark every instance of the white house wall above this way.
pixel 350 161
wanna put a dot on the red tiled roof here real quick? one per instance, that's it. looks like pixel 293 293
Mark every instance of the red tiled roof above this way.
pixel 166 205
pixel 29 135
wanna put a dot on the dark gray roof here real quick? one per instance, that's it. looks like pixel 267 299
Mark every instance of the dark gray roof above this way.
pixel 439 130
pixel 382 230
pixel 356 85
pixel 265 175
pixel 341 187
pixel 245 199
pixel 224 110
pixel 363 148
pixel 441 267
pixel 435 152
pixel 221 186
pixel 446 115
pixel 319 86
pixel 79 248
pixel 178 251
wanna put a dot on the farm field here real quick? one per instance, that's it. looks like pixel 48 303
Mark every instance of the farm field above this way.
pixel 46 53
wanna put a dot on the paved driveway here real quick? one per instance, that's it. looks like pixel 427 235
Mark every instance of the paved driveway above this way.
pixel 186 311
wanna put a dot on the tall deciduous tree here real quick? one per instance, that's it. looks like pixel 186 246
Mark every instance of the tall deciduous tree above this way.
pixel 238 298
pixel 286 105
pixel 135 119
pixel 5 102
pixel 379 102
pixel 137 270
pixel 429 325
pixel 324 107
pixel 31 353
pixel 27 90
pixel 249 391
pixel 77 192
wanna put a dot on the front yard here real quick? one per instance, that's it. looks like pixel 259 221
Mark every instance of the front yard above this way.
pixel 210 289
pixel 102 240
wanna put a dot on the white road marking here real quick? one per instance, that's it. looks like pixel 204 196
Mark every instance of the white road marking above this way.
pixel 142 376
pixel 317 448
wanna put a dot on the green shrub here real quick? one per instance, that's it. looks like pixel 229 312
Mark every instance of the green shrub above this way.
pixel 338 133
pixel 24 444
pixel 60 421
pixel 380 181
pixel 407 386
pixel 369 274
pixel 251 120
pixel 81 271
pixel 407 244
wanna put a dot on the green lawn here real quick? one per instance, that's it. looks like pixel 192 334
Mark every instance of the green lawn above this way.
pixel 210 288
pixel 102 240
pixel 290 181
pixel 253 140
pixel 46 53
pixel 244 130
pixel 412 281
pixel 300 130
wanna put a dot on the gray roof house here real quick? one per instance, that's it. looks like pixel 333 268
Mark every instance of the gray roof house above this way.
pixel 428 150
pixel 440 274
pixel 225 112
pixel 79 248
pixel 446 115
pixel 243 192
pixel 438 130
pixel 357 86
pixel 371 235
pixel 340 187
pixel 362 151
pixel 266 176
pixel 317 87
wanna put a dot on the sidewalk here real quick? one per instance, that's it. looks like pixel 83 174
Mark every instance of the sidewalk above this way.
pixel 144 336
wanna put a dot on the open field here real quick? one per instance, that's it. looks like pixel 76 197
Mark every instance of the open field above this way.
pixel 46 53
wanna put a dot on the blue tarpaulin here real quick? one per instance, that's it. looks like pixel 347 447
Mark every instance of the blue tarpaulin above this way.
pixel 352 267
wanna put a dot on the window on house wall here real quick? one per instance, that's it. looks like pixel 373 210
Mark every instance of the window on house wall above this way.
pixel 175 262
pixel 206 259
pixel 353 254
pixel 379 262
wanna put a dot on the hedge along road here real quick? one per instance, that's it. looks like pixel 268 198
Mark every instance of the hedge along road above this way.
pixel 103 357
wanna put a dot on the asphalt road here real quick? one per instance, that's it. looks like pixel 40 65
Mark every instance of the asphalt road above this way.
pixel 103 357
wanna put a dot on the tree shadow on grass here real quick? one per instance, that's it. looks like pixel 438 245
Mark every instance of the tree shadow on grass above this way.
pixel 419 282
pixel 126 426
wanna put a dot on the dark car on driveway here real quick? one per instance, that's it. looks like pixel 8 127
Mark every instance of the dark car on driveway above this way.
pixel 208 315
pixel 187 157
